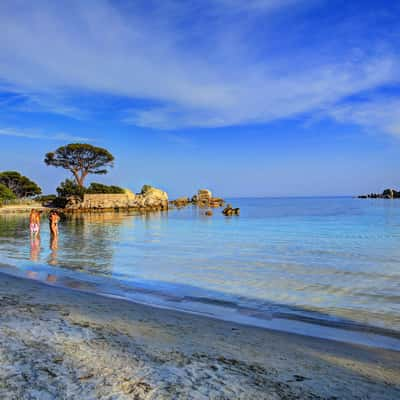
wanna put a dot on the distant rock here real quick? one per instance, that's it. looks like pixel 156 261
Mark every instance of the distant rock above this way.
pixel 386 194
pixel 208 213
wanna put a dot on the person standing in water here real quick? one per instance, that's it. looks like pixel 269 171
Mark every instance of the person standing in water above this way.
pixel 53 222
pixel 34 222
pixel 54 219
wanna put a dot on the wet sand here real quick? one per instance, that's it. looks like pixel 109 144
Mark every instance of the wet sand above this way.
pixel 63 344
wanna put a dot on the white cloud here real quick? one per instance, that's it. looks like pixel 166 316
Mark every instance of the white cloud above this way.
pixel 42 136
pixel 201 73
pixel 375 114
pixel 257 5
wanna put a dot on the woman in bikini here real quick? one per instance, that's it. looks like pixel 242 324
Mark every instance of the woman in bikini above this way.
pixel 54 219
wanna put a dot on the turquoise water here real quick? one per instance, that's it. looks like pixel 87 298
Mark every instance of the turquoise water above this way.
pixel 331 262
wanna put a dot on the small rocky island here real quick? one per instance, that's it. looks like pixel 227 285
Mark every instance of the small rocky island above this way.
pixel 386 194
pixel 202 199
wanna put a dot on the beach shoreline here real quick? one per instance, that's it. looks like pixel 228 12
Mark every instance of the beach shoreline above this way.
pixel 306 323
pixel 59 342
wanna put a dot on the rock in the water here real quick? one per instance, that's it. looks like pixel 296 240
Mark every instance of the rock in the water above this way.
pixel 181 202
pixel 229 210
pixel 208 213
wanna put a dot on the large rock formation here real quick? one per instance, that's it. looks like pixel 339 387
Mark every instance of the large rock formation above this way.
pixel 151 199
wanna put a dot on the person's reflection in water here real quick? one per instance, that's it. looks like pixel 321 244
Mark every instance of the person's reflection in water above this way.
pixel 54 219
pixel 35 247
pixel 53 248
pixel 32 274
pixel 51 278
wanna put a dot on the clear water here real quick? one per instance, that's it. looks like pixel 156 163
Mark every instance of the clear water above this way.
pixel 332 262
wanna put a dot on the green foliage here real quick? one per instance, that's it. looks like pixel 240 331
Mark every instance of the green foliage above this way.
pixel 98 188
pixel 47 199
pixel 146 188
pixel 6 193
pixel 81 159
pixel 70 188
pixel 20 185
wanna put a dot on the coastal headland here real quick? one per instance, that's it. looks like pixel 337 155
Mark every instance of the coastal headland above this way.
pixel 57 342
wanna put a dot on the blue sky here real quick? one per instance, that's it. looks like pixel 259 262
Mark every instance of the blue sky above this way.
pixel 249 98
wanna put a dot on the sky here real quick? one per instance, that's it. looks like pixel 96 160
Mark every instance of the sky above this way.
pixel 247 98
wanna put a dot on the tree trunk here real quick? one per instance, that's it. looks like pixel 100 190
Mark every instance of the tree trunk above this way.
pixel 80 179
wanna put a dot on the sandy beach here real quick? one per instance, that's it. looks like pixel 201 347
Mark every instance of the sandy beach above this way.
pixel 63 344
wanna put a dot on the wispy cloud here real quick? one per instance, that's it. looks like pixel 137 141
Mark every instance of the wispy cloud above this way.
pixel 257 5
pixel 41 136
pixel 374 114
pixel 204 65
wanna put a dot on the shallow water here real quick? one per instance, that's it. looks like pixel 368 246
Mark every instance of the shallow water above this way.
pixel 330 261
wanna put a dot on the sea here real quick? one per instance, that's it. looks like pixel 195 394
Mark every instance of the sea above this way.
pixel 324 267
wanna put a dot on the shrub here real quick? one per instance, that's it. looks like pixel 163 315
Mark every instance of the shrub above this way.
pixel 6 194
pixel 99 188
pixel 70 188
pixel 47 199
pixel 146 188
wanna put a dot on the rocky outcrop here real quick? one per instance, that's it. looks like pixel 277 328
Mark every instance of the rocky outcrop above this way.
pixel 204 198
pixel 386 194
pixel 152 199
